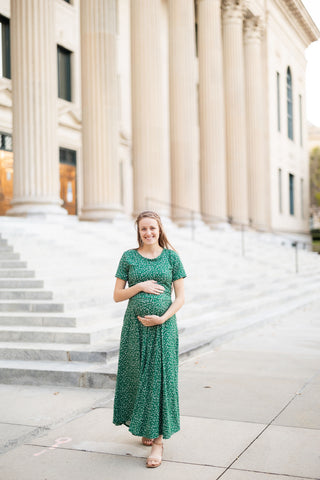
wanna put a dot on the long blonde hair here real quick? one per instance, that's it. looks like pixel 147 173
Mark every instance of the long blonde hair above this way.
pixel 163 240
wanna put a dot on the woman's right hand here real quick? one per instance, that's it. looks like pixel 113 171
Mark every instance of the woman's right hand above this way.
pixel 151 286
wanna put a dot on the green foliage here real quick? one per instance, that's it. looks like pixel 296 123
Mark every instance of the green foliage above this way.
pixel 315 177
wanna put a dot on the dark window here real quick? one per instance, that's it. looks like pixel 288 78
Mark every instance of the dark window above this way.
pixel 278 102
pixel 291 193
pixel 5 63
pixel 302 197
pixel 196 33
pixel 67 156
pixel 6 142
pixel 289 104
pixel 280 189
pixel 300 120
pixel 64 73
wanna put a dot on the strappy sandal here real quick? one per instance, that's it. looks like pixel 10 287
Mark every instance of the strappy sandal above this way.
pixel 155 458
pixel 147 441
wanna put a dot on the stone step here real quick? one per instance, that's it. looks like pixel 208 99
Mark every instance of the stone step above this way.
pixel 12 264
pixel 93 335
pixel 59 352
pixel 16 283
pixel 9 255
pixel 3 242
pixel 5 248
pixel 40 320
pixel 71 374
pixel 25 295
pixel 40 306
pixel 4 273
pixel 215 335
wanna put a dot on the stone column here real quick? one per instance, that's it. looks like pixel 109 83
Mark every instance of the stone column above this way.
pixel 151 172
pixel 36 187
pixel 100 122
pixel 235 110
pixel 255 124
pixel 183 110
pixel 212 116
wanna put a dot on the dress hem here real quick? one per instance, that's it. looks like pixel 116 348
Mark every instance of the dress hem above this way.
pixel 166 437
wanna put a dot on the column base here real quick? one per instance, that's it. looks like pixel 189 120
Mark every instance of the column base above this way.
pixel 96 213
pixel 25 207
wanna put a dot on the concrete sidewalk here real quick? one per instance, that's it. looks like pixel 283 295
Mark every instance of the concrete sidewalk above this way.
pixel 250 410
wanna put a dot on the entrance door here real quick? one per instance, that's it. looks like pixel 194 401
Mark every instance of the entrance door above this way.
pixel 6 172
pixel 68 180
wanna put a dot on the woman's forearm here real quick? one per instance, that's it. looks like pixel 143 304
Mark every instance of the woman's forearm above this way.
pixel 174 307
pixel 122 294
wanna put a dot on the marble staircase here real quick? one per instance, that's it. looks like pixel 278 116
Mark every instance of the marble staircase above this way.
pixel 59 324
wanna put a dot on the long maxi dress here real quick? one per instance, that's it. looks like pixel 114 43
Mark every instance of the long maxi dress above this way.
pixel 146 395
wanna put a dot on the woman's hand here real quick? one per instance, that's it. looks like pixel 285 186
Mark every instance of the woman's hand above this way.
pixel 151 286
pixel 150 320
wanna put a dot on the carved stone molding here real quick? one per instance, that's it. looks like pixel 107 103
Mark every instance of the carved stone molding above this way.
pixel 253 28
pixel 232 9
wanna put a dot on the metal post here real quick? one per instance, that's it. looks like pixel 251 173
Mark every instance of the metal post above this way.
pixel 193 225
pixel 295 245
pixel 242 240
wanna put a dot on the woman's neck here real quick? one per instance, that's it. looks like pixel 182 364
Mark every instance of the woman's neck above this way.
pixel 150 250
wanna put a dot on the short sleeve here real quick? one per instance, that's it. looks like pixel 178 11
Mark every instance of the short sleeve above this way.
pixel 177 267
pixel 123 268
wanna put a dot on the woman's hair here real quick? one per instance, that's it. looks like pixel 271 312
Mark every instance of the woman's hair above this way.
pixel 163 241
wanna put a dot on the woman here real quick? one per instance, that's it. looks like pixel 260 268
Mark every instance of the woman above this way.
pixel 146 396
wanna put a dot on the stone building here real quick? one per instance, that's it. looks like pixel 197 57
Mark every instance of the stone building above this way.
pixel 182 106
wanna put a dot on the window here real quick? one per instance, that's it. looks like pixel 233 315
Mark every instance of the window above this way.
pixel 6 142
pixel 5 63
pixel 300 120
pixel 196 32
pixel 289 104
pixel 291 193
pixel 67 156
pixel 301 196
pixel 278 102
pixel 280 189
pixel 64 73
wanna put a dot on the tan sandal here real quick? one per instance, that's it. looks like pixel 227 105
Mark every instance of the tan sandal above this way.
pixel 147 441
pixel 155 458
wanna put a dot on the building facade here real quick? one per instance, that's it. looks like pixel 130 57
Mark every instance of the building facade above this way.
pixel 192 108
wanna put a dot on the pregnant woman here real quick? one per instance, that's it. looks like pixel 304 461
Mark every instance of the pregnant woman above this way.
pixel 146 396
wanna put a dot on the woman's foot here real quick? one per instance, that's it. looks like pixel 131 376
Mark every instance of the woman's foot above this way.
pixel 147 441
pixel 155 457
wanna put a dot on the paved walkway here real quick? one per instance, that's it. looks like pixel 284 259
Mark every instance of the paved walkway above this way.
pixel 250 410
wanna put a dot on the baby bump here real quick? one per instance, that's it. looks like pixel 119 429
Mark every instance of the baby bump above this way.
pixel 150 304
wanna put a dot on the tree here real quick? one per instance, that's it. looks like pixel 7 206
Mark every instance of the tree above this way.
pixel 315 177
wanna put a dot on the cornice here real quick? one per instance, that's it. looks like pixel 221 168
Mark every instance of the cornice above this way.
pixel 301 18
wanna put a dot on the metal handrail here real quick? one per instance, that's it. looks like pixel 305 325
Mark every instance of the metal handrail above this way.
pixel 194 214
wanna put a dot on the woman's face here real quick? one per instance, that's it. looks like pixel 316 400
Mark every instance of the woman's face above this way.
pixel 149 231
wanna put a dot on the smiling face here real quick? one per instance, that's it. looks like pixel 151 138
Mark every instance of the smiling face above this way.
pixel 149 231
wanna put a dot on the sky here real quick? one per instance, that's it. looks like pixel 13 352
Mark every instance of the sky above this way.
pixel 313 67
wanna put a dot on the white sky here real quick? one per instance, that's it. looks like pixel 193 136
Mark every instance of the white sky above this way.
pixel 313 67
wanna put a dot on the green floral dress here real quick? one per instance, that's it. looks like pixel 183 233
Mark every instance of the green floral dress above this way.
pixel 146 396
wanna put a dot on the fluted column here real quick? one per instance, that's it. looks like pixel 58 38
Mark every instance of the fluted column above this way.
pixel 151 171
pixel 183 110
pixel 255 123
pixel 212 115
pixel 235 110
pixel 36 188
pixel 100 129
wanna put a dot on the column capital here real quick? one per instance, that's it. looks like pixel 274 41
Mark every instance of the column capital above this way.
pixel 233 9
pixel 253 28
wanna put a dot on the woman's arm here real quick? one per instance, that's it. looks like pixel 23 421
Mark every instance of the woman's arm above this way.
pixel 150 320
pixel 121 293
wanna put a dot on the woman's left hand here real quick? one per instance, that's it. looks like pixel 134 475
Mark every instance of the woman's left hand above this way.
pixel 150 320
